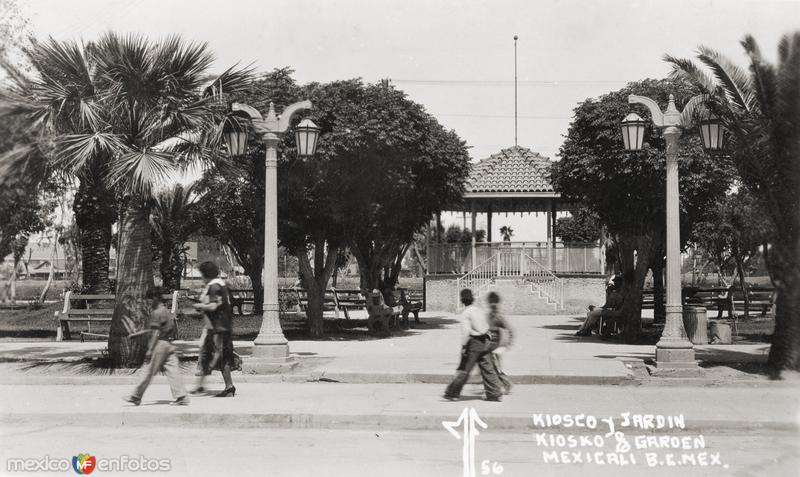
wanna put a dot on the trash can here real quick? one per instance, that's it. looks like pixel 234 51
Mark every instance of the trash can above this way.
pixel 695 323
pixel 720 333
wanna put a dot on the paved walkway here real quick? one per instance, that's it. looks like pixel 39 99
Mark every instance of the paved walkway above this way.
pixel 399 406
pixel 545 351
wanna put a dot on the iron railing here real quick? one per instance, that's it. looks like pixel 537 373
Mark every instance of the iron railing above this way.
pixel 513 263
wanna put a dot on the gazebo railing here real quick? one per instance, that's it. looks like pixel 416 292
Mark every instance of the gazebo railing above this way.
pixel 514 264
pixel 456 258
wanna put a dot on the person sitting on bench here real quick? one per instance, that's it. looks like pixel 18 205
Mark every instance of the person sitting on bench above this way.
pixel 609 310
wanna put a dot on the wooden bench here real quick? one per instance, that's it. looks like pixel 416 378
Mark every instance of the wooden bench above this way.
pixel 349 300
pixel 96 308
pixel 719 298
pixel 411 301
pixel 241 297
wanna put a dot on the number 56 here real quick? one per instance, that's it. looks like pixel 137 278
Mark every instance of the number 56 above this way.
pixel 488 467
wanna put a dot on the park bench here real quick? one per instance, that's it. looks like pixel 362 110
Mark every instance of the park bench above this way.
pixel 411 303
pixel 94 309
pixel 241 297
pixel 349 300
pixel 720 299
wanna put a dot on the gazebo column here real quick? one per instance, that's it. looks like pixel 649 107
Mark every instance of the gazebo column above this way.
pixel 474 233
pixel 551 234
pixel 489 222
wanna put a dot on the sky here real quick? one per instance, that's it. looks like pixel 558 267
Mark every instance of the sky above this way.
pixel 454 57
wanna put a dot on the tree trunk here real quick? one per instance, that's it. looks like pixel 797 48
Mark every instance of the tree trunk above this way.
pixel 12 285
pixel 315 282
pixel 53 256
pixel 742 284
pixel 314 309
pixel 784 354
pixel 659 308
pixel 95 213
pixel 134 278
pixel 368 269
pixel 254 272
pixel 634 272
pixel 171 266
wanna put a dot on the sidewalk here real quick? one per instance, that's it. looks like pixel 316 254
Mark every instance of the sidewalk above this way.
pixel 546 351
pixel 398 406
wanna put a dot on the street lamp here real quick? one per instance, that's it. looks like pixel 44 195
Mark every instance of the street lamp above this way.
pixel 673 350
pixel 271 349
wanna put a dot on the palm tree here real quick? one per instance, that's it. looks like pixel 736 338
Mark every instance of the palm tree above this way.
pixel 507 233
pixel 760 108
pixel 173 222
pixel 125 112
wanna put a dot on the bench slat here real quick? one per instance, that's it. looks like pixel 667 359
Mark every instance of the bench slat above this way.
pixel 85 318
pixel 90 311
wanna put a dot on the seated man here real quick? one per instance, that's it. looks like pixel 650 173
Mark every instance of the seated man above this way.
pixel 609 310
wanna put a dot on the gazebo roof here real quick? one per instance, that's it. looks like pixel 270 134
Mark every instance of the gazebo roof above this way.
pixel 516 171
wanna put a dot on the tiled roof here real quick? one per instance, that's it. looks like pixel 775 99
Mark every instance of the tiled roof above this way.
pixel 516 169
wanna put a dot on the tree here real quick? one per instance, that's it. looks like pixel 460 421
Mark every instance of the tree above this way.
pixel 231 210
pixel 580 227
pixel 24 207
pixel 13 33
pixel 173 221
pixel 760 108
pixel 122 114
pixel 455 234
pixel 507 232
pixel 232 207
pixel 732 230
pixel 395 167
pixel 627 190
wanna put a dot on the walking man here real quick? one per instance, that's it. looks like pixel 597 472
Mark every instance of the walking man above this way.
pixel 161 352
pixel 475 350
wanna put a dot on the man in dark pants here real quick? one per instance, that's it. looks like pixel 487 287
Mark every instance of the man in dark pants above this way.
pixel 475 338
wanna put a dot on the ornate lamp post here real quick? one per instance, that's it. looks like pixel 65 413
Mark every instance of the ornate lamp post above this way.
pixel 271 349
pixel 673 350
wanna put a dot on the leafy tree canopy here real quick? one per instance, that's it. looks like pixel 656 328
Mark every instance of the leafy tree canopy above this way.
pixel 627 191
pixel 393 164
pixel 582 226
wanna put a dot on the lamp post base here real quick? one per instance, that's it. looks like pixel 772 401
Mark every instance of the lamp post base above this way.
pixel 269 359
pixel 675 358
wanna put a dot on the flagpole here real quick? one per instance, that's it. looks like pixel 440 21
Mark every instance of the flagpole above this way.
pixel 516 143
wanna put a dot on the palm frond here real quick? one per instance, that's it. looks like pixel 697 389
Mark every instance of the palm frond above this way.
pixel 64 62
pixel 231 81
pixel 735 81
pixel 181 65
pixel 192 116
pixel 24 164
pixel 77 151
pixel 684 68
pixel 763 77
pixel 138 173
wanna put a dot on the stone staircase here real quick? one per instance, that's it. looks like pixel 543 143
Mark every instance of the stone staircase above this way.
pixel 525 285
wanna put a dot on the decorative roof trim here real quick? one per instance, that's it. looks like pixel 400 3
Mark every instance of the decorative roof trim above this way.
pixel 514 195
